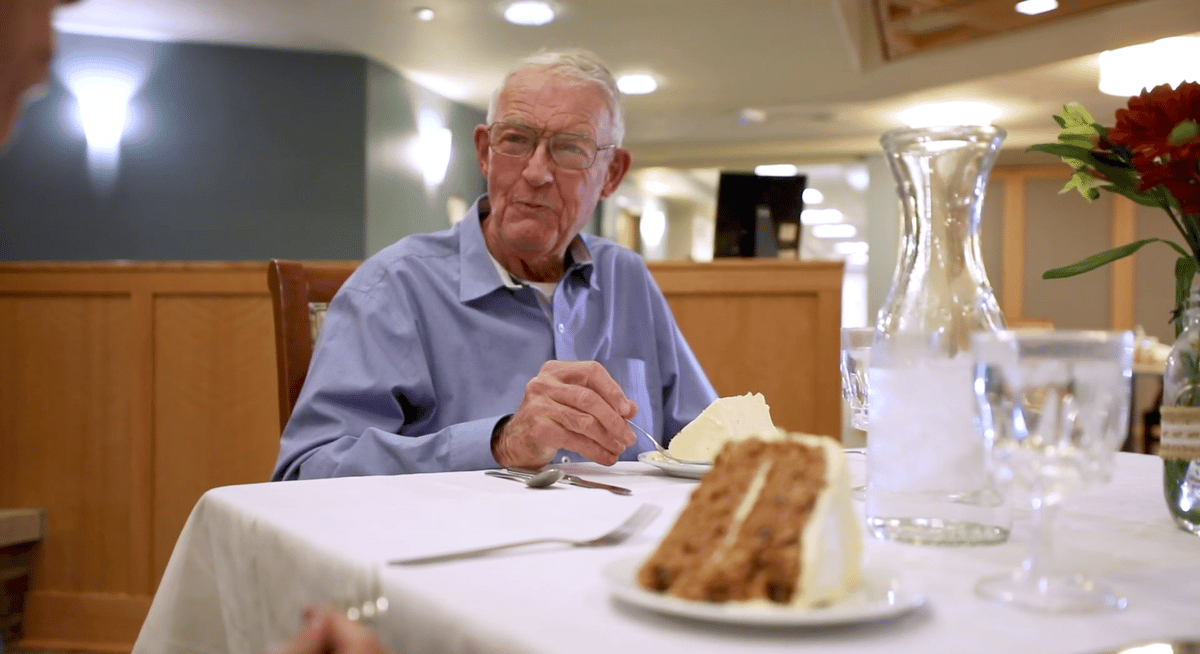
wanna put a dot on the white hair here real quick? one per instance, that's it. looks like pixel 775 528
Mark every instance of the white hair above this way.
pixel 577 64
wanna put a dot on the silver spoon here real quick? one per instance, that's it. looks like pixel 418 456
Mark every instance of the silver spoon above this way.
pixel 540 480
pixel 662 450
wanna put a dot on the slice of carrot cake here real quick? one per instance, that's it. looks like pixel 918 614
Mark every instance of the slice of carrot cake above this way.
pixel 772 521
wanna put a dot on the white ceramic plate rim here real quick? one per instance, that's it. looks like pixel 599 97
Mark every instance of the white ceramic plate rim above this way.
pixel 880 595
pixel 688 470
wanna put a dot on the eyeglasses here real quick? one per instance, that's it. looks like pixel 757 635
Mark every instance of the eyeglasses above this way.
pixel 567 150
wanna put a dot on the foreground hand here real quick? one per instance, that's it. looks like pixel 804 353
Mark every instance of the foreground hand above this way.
pixel 327 631
pixel 575 406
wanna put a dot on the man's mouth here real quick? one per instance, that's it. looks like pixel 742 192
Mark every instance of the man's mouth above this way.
pixel 533 204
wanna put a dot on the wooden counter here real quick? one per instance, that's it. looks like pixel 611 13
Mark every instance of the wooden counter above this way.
pixel 129 389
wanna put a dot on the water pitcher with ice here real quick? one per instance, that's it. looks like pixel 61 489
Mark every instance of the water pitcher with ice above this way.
pixel 926 471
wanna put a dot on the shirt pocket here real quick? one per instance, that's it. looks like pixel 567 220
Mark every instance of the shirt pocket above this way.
pixel 633 377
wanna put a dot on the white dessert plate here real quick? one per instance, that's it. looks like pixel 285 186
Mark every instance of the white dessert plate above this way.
pixel 879 596
pixel 673 468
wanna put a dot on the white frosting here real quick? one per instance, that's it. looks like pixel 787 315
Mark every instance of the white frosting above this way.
pixel 831 547
pixel 725 420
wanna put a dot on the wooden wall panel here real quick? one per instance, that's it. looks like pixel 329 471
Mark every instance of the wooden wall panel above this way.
pixel 215 419
pixel 64 389
pixel 765 326
pixel 781 363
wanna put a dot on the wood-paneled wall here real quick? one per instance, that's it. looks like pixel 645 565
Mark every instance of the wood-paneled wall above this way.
pixel 127 390
pixel 766 326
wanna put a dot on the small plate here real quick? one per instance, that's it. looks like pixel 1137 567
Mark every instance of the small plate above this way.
pixel 672 468
pixel 879 596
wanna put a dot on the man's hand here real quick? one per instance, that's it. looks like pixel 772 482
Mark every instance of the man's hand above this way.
pixel 574 406
pixel 326 631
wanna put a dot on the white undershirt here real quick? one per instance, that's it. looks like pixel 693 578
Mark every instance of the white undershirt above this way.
pixel 545 289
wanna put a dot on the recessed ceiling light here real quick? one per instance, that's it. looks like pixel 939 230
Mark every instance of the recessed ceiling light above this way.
pixel 637 84
pixel 834 230
pixel 851 247
pixel 813 196
pixel 424 14
pixel 821 216
pixel 529 12
pixel 956 112
pixel 776 170
pixel 1035 7
pixel 1127 71
pixel 752 115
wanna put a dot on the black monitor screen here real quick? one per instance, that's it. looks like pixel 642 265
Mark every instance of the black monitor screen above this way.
pixel 758 216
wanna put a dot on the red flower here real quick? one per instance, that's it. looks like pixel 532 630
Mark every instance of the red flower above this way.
pixel 1144 127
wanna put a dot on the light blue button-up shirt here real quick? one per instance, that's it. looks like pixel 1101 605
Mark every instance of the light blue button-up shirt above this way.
pixel 425 349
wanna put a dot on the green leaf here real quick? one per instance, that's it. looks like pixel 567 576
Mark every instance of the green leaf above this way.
pixel 1097 260
pixel 1085 183
pixel 1185 270
pixel 1064 150
pixel 1144 199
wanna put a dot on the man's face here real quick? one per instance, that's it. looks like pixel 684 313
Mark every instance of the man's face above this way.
pixel 538 206
pixel 26 45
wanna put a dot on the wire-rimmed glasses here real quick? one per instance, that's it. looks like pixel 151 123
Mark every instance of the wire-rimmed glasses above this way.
pixel 574 151
pixel 1053 406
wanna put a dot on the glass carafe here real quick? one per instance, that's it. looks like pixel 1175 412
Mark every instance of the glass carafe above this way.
pixel 927 477
pixel 1179 446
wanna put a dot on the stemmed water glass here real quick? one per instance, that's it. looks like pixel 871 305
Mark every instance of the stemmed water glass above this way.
pixel 855 364
pixel 1054 406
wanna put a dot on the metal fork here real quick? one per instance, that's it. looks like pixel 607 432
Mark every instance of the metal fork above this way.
pixel 645 514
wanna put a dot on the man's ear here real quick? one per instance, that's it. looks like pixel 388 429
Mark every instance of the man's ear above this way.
pixel 482 148
pixel 621 161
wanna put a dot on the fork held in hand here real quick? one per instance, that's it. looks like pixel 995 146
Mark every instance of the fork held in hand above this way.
pixel 645 514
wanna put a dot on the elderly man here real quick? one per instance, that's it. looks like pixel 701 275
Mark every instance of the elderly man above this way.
pixel 512 339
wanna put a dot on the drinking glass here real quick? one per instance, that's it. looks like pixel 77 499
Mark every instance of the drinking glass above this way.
pixel 1053 407
pixel 855 364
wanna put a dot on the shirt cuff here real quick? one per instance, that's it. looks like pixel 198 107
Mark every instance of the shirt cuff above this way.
pixel 471 443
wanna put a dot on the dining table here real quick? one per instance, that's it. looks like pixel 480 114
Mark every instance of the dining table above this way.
pixel 252 558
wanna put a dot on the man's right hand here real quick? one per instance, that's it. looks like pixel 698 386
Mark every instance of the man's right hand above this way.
pixel 570 405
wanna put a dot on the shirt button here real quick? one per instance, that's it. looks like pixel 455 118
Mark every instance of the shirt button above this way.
pixel 561 329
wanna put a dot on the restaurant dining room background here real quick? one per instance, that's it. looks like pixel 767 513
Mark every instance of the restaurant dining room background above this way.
pixel 126 390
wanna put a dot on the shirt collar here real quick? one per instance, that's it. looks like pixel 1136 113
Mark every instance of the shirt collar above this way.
pixel 481 274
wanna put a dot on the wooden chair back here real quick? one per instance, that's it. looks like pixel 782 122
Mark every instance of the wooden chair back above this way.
pixel 300 292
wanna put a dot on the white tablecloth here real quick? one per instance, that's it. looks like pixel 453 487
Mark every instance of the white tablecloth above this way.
pixel 252 557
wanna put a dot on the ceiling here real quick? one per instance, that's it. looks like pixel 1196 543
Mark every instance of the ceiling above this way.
pixel 821 73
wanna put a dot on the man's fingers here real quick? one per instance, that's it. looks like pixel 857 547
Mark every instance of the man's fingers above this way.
pixel 581 410
pixel 593 375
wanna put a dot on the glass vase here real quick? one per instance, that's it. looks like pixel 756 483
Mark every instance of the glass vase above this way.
pixel 928 481
pixel 1179 444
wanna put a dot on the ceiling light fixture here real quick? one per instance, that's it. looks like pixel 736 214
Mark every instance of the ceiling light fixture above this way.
pixel 839 230
pixel 851 247
pixel 424 14
pixel 812 196
pixel 637 84
pixel 529 12
pixel 1127 71
pixel 954 112
pixel 821 216
pixel 776 170
pixel 752 115
pixel 1035 7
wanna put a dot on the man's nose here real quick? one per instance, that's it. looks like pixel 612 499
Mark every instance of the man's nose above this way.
pixel 538 167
